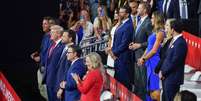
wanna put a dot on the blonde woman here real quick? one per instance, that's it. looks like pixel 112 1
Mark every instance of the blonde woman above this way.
pixel 92 84
pixel 102 23
pixel 151 57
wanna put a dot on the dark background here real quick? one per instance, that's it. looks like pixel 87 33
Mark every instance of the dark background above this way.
pixel 20 36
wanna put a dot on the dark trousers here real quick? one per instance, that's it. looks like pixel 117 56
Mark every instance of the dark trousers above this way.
pixel 122 73
pixel 169 91
pixel 140 81
pixel 52 95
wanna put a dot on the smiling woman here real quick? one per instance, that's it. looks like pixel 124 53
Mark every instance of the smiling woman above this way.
pixel 92 84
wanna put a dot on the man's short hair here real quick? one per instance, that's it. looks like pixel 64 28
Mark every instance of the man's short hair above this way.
pixel 50 20
pixel 177 25
pixel 136 1
pixel 71 34
pixel 127 8
pixel 146 6
pixel 76 49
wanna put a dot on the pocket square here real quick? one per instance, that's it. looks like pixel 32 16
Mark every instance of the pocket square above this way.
pixel 172 46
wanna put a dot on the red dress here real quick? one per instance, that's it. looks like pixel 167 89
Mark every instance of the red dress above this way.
pixel 91 87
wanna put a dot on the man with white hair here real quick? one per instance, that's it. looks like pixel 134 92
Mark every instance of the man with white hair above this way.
pixel 53 56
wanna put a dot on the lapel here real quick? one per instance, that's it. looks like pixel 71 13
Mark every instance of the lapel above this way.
pixel 55 49
pixel 142 25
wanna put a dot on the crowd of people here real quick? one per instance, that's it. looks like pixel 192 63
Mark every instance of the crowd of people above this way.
pixel 145 46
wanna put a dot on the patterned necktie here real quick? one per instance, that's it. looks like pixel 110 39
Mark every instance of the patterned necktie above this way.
pixel 134 22
pixel 138 26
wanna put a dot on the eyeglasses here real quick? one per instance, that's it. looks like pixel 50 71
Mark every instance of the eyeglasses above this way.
pixel 69 52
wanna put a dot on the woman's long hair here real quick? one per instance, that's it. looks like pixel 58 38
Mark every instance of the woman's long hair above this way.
pixel 97 63
pixel 159 21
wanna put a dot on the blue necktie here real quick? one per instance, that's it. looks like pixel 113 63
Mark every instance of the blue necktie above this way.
pixel 138 26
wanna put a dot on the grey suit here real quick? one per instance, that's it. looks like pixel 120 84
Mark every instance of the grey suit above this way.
pixel 199 12
pixel 141 36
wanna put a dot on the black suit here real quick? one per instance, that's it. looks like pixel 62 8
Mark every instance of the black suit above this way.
pixel 173 10
pixel 162 55
pixel 141 37
pixel 173 68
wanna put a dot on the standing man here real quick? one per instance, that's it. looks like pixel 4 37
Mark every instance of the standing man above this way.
pixel 172 70
pixel 133 4
pixel 53 56
pixel 139 44
pixel 40 57
pixel 120 52
pixel 78 67
pixel 68 39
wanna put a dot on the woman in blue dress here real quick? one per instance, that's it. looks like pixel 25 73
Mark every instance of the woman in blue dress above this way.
pixel 151 56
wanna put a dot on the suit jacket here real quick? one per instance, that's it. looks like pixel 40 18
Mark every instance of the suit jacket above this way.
pixel 52 61
pixel 199 8
pixel 71 91
pixel 92 85
pixel 141 36
pixel 193 7
pixel 122 38
pixel 162 55
pixel 173 65
pixel 173 10
pixel 62 69
pixel 45 44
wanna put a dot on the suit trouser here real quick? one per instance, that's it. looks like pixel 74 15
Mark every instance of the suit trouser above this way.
pixel 169 91
pixel 122 73
pixel 140 81
pixel 52 95
pixel 42 87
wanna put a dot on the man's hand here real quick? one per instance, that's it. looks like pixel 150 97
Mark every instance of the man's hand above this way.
pixel 134 46
pixel 140 61
pixel 59 93
pixel 130 46
pixel 161 75
pixel 35 56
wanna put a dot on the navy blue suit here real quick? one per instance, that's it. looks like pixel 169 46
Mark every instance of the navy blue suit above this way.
pixel 45 44
pixel 71 91
pixel 122 38
pixel 173 68
pixel 51 70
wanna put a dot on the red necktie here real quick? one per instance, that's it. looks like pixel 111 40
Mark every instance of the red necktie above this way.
pixel 51 49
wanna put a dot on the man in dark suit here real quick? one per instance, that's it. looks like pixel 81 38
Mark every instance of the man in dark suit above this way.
pixel 133 4
pixel 171 9
pixel 120 52
pixel 199 12
pixel 78 67
pixel 40 57
pixel 139 44
pixel 53 55
pixel 68 39
pixel 172 70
